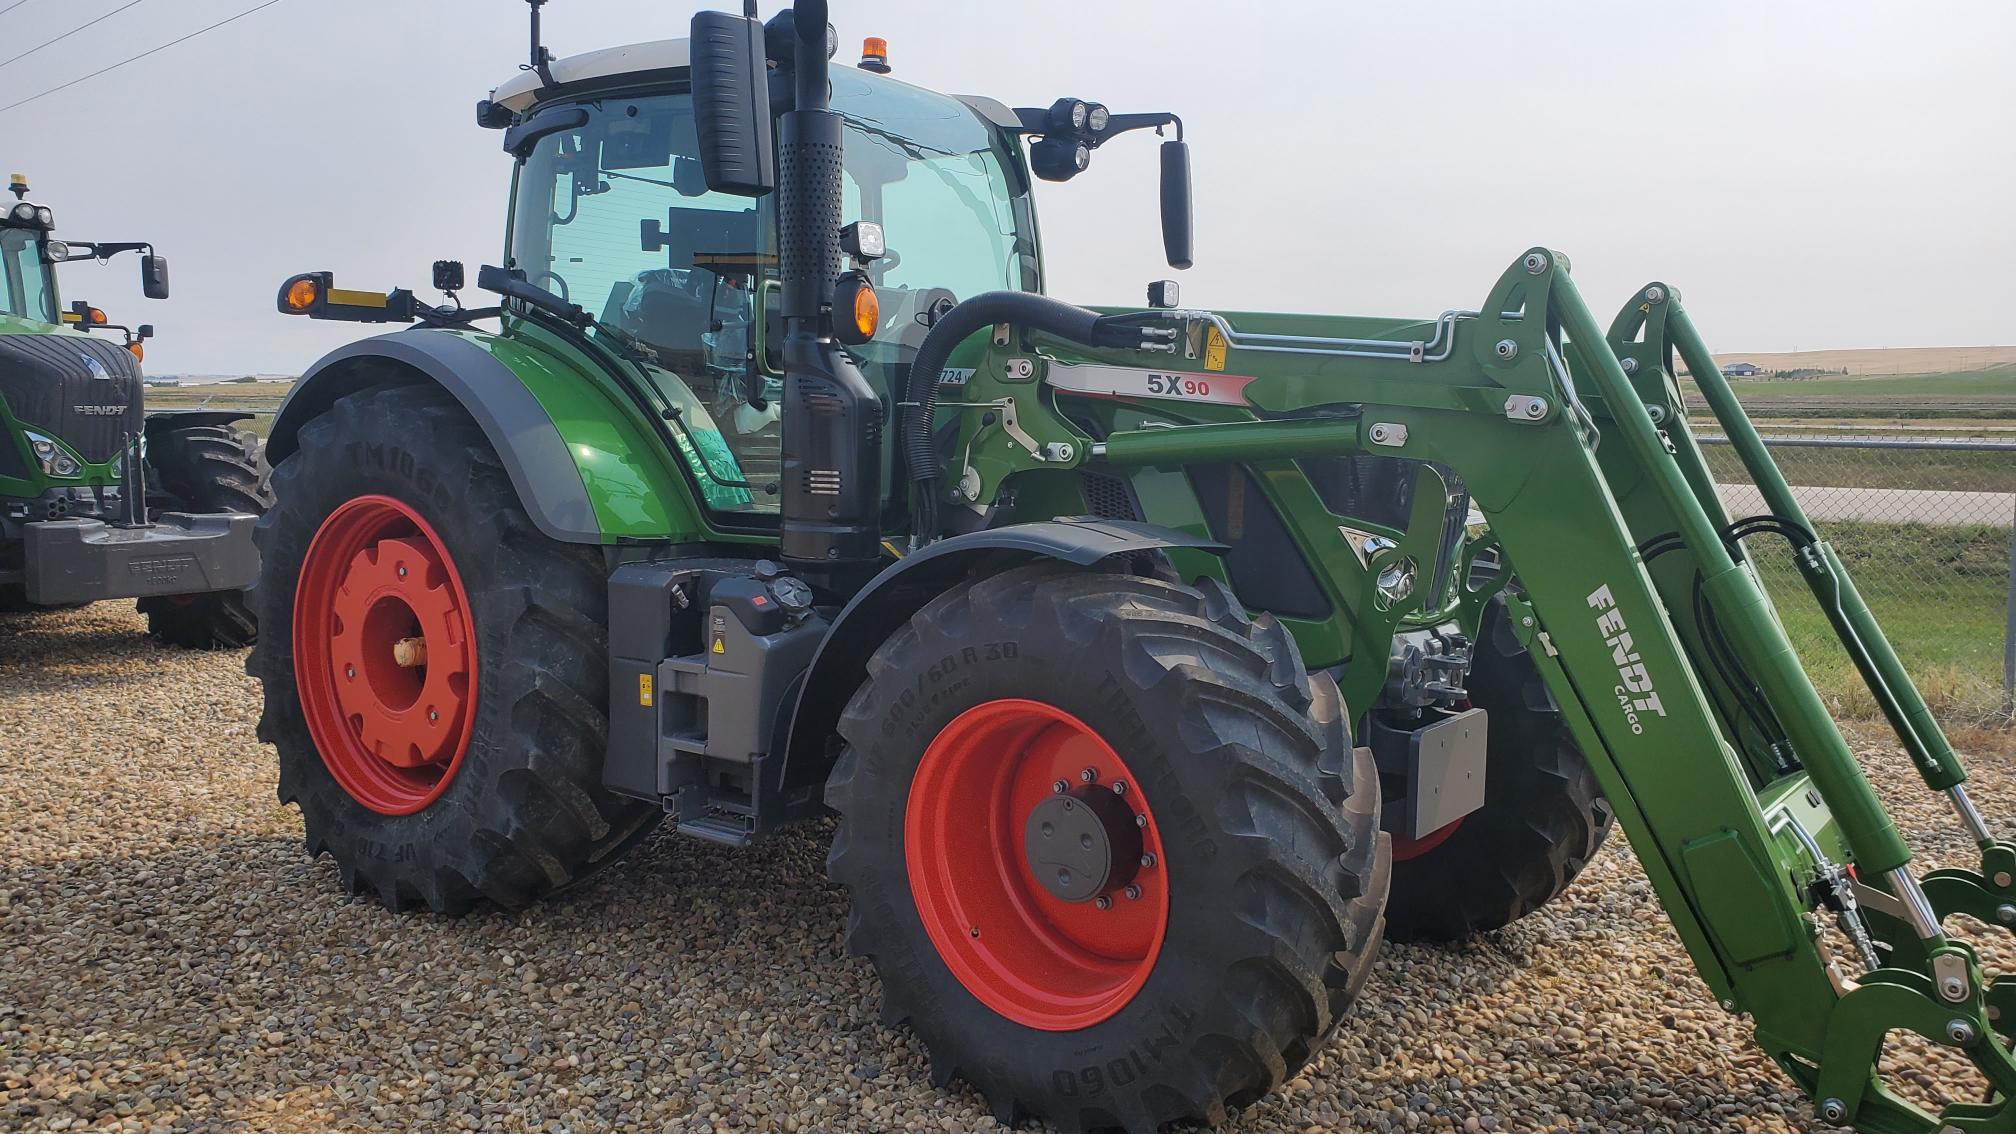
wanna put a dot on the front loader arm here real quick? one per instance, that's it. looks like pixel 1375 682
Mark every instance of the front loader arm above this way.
pixel 1746 806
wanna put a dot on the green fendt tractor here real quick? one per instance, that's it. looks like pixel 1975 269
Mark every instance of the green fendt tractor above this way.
pixel 1114 636
pixel 98 498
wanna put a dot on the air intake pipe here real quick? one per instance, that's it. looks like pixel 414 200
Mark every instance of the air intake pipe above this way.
pixel 830 495
pixel 1023 309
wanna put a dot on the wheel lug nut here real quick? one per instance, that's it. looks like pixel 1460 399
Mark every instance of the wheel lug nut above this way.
pixel 402 570
pixel 1140 820
pixel 1103 902
pixel 433 715
pixel 1089 775
pixel 350 671
pixel 1060 787
pixel 1147 861
pixel 1119 787
pixel 1133 892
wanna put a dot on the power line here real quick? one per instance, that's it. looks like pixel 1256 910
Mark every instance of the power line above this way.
pixel 137 58
pixel 11 7
pixel 71 32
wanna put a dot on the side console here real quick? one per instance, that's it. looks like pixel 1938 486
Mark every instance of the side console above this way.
pixel 705 656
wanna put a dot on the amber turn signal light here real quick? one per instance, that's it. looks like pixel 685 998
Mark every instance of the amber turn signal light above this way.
pixel 867 312
pixel 298 296
pixel 857 311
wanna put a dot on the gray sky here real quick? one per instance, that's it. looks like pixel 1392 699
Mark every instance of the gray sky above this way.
pixel 1809 174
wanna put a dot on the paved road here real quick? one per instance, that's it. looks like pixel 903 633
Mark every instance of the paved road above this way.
pixel 1888 505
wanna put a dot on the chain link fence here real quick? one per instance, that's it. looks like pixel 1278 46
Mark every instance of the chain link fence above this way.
pixel 1926 522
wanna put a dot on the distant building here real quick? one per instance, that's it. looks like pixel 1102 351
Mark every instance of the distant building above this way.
pixel 1741 370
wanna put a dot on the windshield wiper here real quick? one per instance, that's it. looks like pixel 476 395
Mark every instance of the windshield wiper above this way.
pixel 634 177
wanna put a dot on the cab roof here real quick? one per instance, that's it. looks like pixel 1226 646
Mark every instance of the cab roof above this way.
pixel 522 89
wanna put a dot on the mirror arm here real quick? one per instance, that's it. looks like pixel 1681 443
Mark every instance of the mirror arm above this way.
pixel 1122 123
pixel 106 249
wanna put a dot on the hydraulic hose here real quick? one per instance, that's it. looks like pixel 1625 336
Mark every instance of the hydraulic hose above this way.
pixel 1025 309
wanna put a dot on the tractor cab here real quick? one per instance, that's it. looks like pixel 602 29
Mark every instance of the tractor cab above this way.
pixel 612 212
pixel 27 287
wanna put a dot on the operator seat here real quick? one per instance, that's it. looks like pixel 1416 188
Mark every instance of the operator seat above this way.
pixel 671 307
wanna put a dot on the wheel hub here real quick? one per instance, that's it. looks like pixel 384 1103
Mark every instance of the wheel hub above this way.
pixel 1082 844
pixel 384 654
pixel 1053 928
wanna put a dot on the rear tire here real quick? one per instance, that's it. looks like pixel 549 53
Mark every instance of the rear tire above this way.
pixel 207 468
pixel 515 809
pixel 1268 867
pixel 1543 819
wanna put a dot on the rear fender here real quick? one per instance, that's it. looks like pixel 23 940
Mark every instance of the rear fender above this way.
pixel 905 586
pixel 584 472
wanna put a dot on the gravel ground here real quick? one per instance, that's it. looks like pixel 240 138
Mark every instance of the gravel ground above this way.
pixel 169 960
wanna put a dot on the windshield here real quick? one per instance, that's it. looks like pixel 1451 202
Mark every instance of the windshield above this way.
pixel 24 279
pixel 615 216
pixel 927 170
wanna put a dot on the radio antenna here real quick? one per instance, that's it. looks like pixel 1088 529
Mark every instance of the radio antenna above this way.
pixel 541 57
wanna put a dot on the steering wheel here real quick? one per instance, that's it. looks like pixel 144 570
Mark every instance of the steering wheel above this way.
pixel 561 291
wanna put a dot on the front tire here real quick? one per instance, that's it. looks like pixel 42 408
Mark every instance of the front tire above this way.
pixel 1215 966
pixel 469 766
pixel 207 468
pixel 1544 816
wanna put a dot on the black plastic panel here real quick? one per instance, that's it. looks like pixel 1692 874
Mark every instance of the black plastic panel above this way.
pixel 1267 569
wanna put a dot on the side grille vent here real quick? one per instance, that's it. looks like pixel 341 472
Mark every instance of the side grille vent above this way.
pixel 1109 497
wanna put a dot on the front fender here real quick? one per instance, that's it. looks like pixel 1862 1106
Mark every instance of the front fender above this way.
pixel 903 588
pixel 584 471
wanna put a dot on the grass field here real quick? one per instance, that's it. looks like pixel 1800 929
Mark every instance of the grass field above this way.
pixel 1997 382
pixel 1941 595
pixel 1964 471
pixel 264 396
pixel 1880 360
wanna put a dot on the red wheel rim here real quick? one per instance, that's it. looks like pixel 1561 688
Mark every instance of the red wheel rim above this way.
pixel 392 722
pixel 1404 848
pixel 1028 954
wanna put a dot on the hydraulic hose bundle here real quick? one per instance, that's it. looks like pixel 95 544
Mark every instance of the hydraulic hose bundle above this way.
pixel 1020 308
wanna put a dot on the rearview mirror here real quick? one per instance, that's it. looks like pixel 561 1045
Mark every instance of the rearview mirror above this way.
pixel 146 331
pixel 731 104
pixel 154 276
pixel 1176 230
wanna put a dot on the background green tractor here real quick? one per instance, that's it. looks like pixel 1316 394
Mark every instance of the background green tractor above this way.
pixel 98 498
pixel 1114 636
